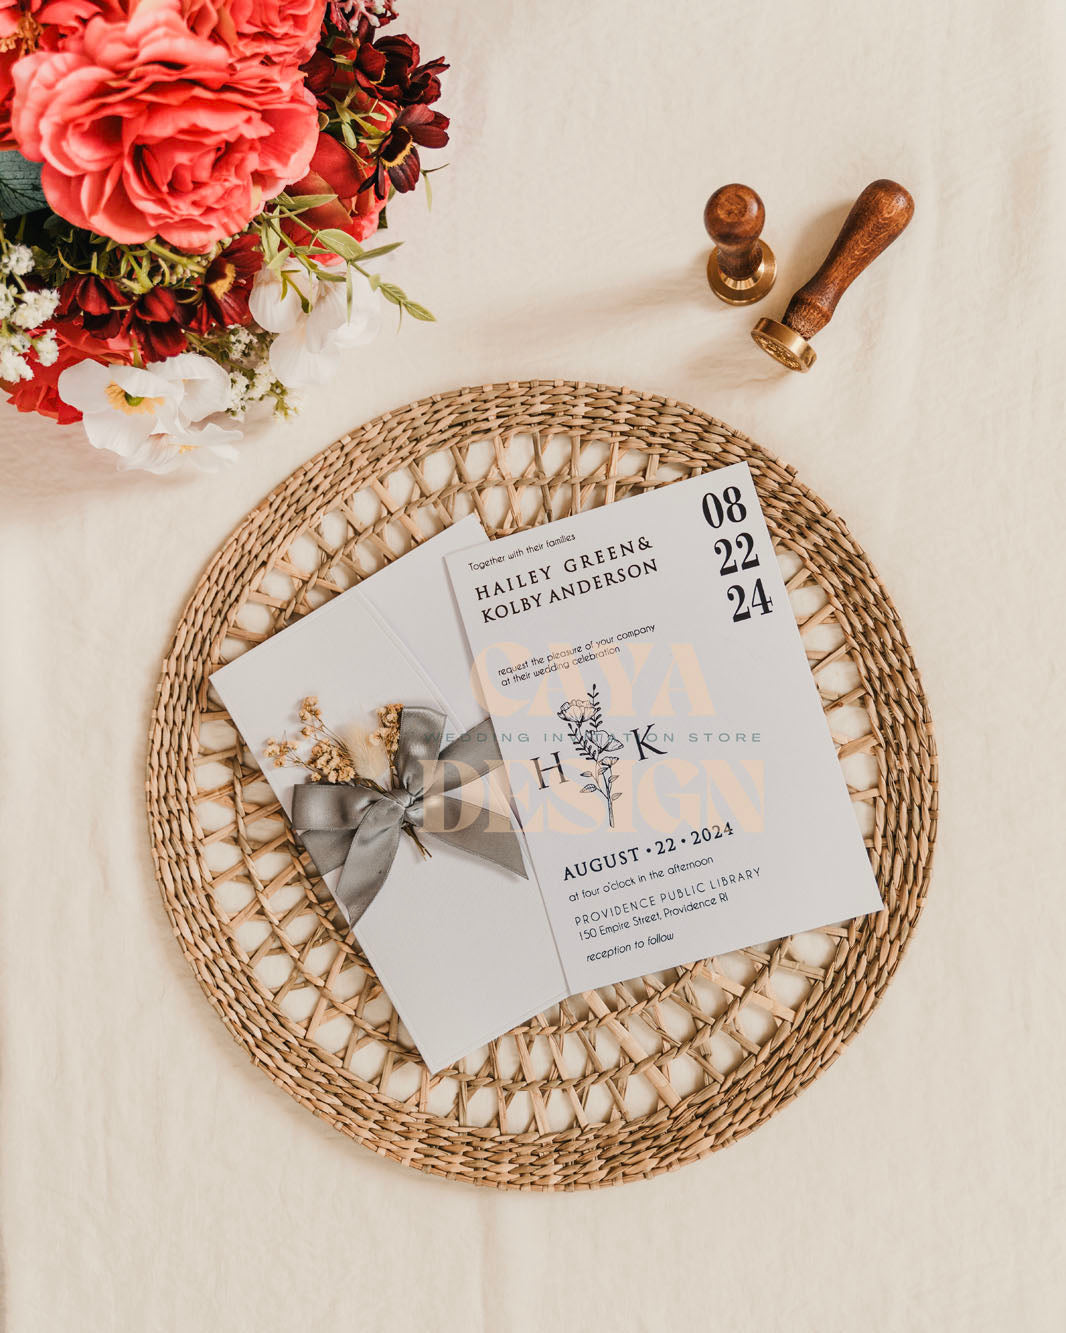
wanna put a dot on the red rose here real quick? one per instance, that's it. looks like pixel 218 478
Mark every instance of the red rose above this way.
pixel 335 169
pixel 147 129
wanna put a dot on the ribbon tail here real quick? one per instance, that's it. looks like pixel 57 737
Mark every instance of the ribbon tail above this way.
pixel 482 836
pixel 369 859
pixel 328 848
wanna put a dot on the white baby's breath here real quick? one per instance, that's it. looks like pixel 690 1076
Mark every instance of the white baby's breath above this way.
pixel 35 308
pixel 18 259
pixel 46 347
pixel 13 367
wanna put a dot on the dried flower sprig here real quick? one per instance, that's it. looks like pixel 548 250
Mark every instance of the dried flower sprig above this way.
pixel 388 733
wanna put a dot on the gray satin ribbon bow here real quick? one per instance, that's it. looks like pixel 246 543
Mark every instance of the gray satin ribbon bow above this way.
pixel 359 828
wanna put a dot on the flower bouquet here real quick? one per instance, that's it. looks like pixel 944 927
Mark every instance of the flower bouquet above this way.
pixel 187 188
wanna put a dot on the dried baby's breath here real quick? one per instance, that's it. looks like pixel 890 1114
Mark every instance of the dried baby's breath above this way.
pixel 332 758
pixel 388 732
pixel 280 752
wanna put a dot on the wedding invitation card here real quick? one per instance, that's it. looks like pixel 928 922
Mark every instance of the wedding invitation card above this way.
pixel 669 759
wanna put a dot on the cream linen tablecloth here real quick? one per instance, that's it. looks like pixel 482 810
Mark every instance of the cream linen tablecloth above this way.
pixel 152 1179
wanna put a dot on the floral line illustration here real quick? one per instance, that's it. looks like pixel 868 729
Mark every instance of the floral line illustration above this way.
pixel 584 720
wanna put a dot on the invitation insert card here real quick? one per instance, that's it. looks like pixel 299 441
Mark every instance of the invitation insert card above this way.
pixel 463 948
pixel 666 747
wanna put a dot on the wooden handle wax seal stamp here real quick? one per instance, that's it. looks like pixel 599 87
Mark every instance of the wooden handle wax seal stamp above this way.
pixel 877 217
pixel 741 267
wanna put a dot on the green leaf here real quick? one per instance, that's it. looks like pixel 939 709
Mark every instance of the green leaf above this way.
pixel 382 250
pixel 20 186
pixel 417 311
pixel 300 203
pixel 340 243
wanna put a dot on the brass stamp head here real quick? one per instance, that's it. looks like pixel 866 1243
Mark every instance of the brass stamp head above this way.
pixel 784 344
pixel 742 291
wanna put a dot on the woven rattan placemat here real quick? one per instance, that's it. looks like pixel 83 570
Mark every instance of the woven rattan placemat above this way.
pixel 612 1085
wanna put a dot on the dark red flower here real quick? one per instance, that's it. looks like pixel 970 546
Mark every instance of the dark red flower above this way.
pixel 155 321
pixel 318 72
pixel 222 297
pixel 397 160
pixel 388 67
pixel 411 83
pixel 423 86
pixel 97 303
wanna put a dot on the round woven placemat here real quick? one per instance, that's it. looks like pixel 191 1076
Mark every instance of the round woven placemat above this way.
pixel 612 1085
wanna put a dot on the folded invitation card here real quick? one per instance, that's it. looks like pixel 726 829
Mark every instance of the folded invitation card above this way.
pixel 462 947
pixel 668 755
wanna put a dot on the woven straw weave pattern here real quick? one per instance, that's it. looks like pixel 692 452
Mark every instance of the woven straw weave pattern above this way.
pixel 616 1084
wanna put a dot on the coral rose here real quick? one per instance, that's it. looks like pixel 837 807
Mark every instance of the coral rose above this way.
pixel 147 129
pixel 27 24
pixel 278 30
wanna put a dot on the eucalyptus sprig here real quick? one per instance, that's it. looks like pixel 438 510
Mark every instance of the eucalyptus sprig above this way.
pixel 279 249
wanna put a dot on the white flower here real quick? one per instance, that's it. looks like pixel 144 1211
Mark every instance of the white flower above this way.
pixel 18 260
pixel 12 366
pixel 46 347
pixel 206 448
pixel 35 308
pixel 7 301
pixel 313 319
pixel 149 417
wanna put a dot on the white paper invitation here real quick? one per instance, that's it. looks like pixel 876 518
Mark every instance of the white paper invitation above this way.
pixel 666 746
pixel 463 948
